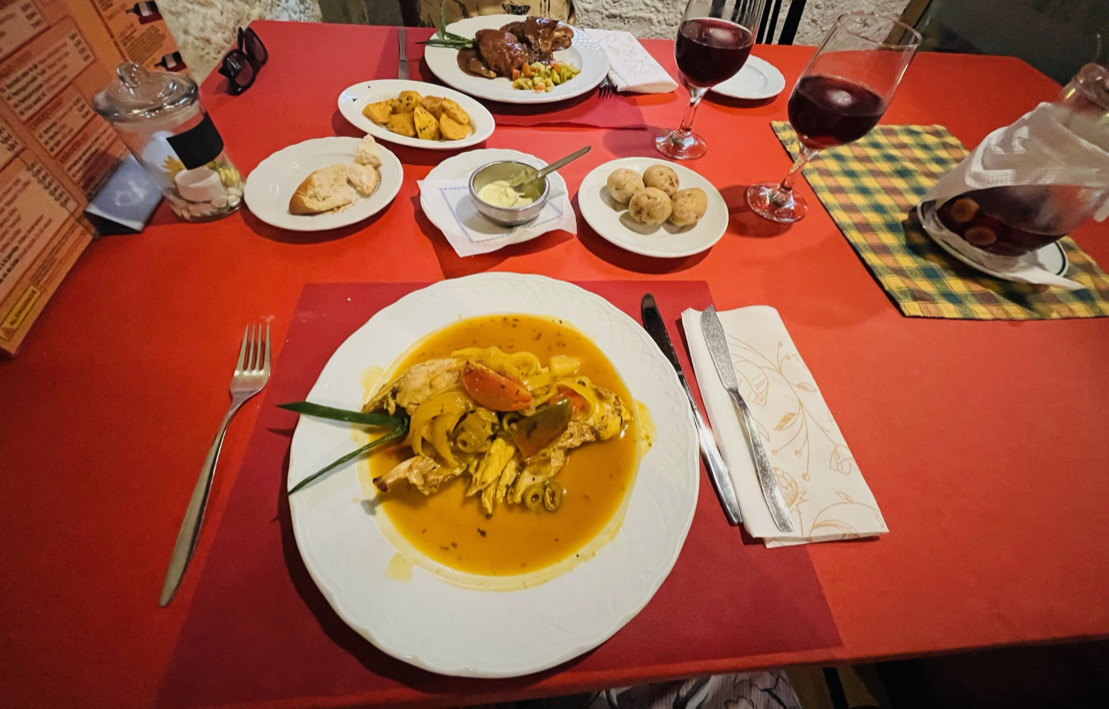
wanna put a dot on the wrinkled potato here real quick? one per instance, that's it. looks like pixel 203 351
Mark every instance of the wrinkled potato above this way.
pixel 378 112
pixel 650 205
pixel 452 109
pixel 402 124
pixel 624 183
pixel 408 101
pixel 427 128
pixel 689 206
pixel 661 177
pixel 433 105
pixel 451 129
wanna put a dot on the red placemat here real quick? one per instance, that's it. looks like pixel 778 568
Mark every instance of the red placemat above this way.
pixel 260 631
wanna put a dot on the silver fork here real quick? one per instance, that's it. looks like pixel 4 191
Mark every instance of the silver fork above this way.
pixel 251 374
pixel 608 89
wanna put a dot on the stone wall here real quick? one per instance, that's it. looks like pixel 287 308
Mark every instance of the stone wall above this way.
pixel 205 29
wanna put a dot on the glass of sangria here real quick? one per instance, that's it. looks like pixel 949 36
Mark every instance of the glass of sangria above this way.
pixel 714 40
pixel 839 97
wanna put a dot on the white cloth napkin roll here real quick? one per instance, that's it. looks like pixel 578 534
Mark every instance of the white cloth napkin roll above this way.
pixel 448 205
pixel 822 486
pixel 630 66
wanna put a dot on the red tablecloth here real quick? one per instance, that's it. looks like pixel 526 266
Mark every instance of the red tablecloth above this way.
pixel 984 443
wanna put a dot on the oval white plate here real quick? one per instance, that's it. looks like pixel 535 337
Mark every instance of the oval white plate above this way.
pixel 758 79
pixel 462 165
pixel 583 53
pixel 271 185
pixel 354 98
pixel 453 630
pixel 610 219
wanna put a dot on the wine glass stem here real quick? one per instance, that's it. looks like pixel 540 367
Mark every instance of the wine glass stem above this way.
pixel 781 195
pixel 695 96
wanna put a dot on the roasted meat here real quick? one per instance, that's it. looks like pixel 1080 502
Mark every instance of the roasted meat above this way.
pixel 498 52
pixel 541 36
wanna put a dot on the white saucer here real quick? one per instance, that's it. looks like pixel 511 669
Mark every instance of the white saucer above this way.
pixel 271 185
pixel 1051 258
pixel 758 79
pixel 611 220
pixel 460 166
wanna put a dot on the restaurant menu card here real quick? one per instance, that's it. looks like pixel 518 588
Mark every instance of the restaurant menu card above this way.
pixel 56 153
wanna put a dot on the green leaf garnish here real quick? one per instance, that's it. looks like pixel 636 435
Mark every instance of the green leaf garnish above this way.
pixel 399 432
pixel 327 412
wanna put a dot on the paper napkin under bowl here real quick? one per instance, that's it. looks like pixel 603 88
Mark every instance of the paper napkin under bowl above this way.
pixel 822 486
pixel 630 66
pixel 446 202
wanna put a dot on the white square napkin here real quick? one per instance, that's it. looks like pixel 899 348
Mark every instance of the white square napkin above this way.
pixel 630 66
pixel 823 488
pixel 447 204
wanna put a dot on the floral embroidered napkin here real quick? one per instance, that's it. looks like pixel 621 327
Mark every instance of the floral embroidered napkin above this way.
pixel 823 487
pixel 631 67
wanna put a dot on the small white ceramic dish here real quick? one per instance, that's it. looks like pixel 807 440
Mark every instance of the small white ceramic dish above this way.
pixel 354 98
pixel 271 185
pixel 758 79
pixel 610 219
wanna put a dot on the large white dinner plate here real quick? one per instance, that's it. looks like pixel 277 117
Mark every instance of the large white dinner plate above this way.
pixel 758 79
pixel 583 53
pixel 354 98
pixel 450 629
pixel 610 219
pixel 271 185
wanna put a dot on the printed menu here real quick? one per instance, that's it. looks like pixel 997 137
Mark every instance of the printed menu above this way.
pixel 55 151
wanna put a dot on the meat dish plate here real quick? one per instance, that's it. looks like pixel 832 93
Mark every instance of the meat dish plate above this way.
pixel 517 60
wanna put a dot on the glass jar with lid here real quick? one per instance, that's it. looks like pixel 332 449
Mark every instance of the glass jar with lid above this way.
pixel 159 117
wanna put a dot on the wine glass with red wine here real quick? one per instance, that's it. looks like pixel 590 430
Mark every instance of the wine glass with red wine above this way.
pixel 840 96
pixel 714 40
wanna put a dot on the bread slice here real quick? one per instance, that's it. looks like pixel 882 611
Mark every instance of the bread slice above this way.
pixel 367 153
pixel 325 189
pixel 365 178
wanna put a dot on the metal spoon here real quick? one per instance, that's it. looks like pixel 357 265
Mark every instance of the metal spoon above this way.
pixel 530 174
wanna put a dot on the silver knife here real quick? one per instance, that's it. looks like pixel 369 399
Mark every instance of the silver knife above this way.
pixel 402 40
pixel 718 471
pixel 722 358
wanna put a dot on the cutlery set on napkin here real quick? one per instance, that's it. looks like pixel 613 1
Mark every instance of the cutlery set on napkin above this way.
pixel 781 455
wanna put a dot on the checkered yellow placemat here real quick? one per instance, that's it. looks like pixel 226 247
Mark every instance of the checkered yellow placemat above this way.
pixel 870 188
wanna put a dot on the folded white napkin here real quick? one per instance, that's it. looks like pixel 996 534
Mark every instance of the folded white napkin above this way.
pixel 823 488
pixel 447 204
pixel 630 66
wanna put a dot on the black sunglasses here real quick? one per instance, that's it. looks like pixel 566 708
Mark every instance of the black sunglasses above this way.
pixel 242 64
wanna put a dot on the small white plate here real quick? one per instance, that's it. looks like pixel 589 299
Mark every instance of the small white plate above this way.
pixel 354 98
pixel 1051 258
pixel 459 166
pixel 758 79
pixel 271 185
pixel 610 219
pixel 583 53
